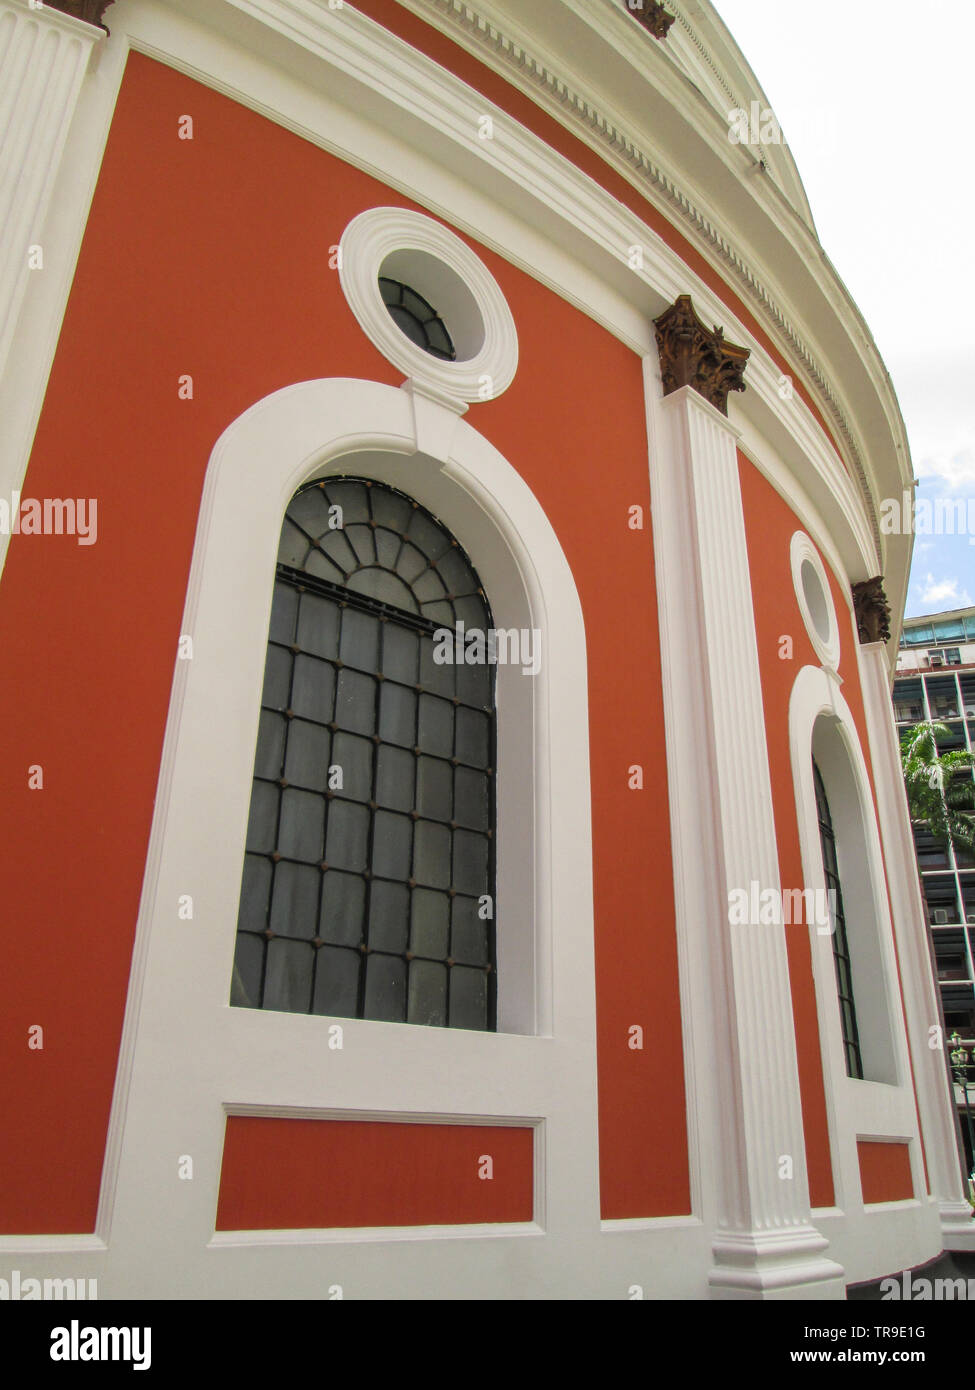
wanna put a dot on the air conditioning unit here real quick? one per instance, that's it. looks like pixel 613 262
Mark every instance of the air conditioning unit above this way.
pixel 970 916
pixel 935 659
pixel 939 917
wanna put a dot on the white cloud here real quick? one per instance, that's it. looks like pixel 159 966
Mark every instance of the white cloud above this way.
pixel 956 470
pixel 943 592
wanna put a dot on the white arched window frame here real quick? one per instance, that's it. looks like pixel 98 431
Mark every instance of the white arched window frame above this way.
pixel 881 1106
pixel 221 1059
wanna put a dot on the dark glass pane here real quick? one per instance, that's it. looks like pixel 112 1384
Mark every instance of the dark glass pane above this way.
pixel 355 702
pixel 397 714
pixel 277 678
pixel 384 587
pixel 284 606
pixel 431 854
pixel 309 509
pixel 401 653
pixel 394 778
pixel 389 916
pixel 438 612
pixel 336 982
pixel 391 844
pixel 385 988
pixel 472 613
pixel 409 324
pixel 387 547
pixel 318 626
pixel 354 756
pixel 270 745
pixel 343 909
pixel 468 998
pixel 433 788
pixel 433 676
pixel 347 841
pixel 309 750
pixel 263 823
pixel 351 496
pixel 245 988
pixel 427 536
pixel 472 737
pixel 302 825
pixel 287 976
pixel 294 905
pixel 428 588
pixel 474 684
pixel 410 563
pixel 391 509
pixel 430 923
pixel 336 547
pixel 470 862
pixel 456 572
pixel 322 568
pixel 428 993
pixel 468 934
pixel 436 726
pixel 471 791
pixel 360 539
pixel 255 894
pixel 293 547
pixel 314 688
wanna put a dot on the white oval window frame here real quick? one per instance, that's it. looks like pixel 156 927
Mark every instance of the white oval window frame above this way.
pixel 803 552
pixel 367 243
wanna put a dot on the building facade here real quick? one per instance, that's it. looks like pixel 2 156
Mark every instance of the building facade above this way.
pixel 935 683
pixel 456 838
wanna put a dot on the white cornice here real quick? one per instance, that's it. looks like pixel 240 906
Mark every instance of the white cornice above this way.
pixel 497 39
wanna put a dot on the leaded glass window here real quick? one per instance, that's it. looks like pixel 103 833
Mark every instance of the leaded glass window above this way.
pixel 417 318
pixel 368 883
pixel 841 946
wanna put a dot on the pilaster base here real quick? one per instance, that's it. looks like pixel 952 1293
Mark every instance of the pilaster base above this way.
pixel 775 1265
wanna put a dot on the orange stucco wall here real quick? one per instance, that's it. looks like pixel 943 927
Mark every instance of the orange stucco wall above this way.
pixel 289 1174
pixel 885 1172
pixel 209 257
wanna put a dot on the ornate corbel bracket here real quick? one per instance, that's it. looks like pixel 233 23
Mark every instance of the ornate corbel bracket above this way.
pixel 693 355
pixel 652 15
pixel 872 610
pixel 91 11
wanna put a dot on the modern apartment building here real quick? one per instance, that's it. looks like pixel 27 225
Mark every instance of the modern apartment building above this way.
pixel 935 680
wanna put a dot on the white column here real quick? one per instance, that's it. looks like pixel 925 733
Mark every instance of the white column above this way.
pixel 737 999
pixel 935 1104
pixel 43 57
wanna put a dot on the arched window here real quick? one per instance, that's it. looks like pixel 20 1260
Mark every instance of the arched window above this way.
pixel 841 946
pixel 368 884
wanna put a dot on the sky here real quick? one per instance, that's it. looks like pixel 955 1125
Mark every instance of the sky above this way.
pixel 874 100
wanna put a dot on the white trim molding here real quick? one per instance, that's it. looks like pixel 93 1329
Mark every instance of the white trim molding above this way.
pixel 43 57
pixel 934 1098
pixel 738 1005
pixel 881 1107
pixel 815 601
pixel 435 262
pixel 176 1083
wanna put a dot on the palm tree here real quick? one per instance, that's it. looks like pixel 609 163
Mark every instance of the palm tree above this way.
pixel 940 790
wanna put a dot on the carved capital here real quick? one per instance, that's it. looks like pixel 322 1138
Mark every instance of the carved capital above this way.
pixel 91 11
pixel 652 15
pixel 872 610
pixel 693 355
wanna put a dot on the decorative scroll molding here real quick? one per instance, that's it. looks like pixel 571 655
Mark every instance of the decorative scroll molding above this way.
pixel 652 15
pixel 662 190
pixel 872 610
pixel 91 11
pixel 693 355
